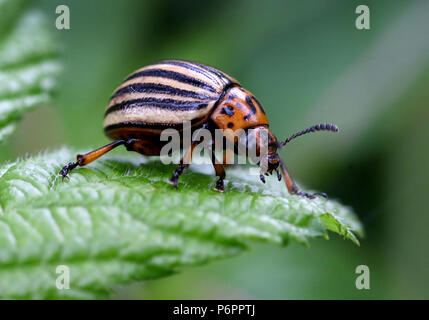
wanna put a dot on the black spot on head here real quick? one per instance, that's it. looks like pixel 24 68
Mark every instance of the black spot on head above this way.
pixel 230 124
pixel 229 111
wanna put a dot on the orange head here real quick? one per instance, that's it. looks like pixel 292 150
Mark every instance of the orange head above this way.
pixel 238 109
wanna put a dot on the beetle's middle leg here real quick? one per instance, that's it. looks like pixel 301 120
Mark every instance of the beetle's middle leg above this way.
pixel 84 159
pixel 183 164
pixel 220 172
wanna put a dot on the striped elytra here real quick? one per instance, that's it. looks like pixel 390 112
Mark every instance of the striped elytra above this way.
pixel 167 94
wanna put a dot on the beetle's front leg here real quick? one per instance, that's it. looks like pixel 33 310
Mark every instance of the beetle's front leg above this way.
pixel 293 188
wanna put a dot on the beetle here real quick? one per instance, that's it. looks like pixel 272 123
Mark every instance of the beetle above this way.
pixel 167 93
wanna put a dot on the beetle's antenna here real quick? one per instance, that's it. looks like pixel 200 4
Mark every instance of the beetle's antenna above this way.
pixel 317 127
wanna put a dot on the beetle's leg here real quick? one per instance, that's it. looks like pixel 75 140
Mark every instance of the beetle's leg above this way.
pixel 84 159
pixel 184 164
pixel 229 158
pixel 220 172
pixel 293 188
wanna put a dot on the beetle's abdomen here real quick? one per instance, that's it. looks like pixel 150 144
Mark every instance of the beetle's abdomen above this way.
pixel 164 94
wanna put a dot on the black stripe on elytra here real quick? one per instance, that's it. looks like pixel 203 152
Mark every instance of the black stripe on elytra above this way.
pixel 160 88
pixel 192 66
pixel 174 76
pixel 252 107
pixel 216 72
pixel 146 125
pixel 169 104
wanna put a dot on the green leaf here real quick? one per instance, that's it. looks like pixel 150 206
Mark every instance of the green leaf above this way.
pixel 117 221
pixel 28 64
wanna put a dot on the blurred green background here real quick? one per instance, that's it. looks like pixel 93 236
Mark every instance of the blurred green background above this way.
pixel 307 63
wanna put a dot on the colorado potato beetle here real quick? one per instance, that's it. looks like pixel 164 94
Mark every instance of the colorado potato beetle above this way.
pixel 168 93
